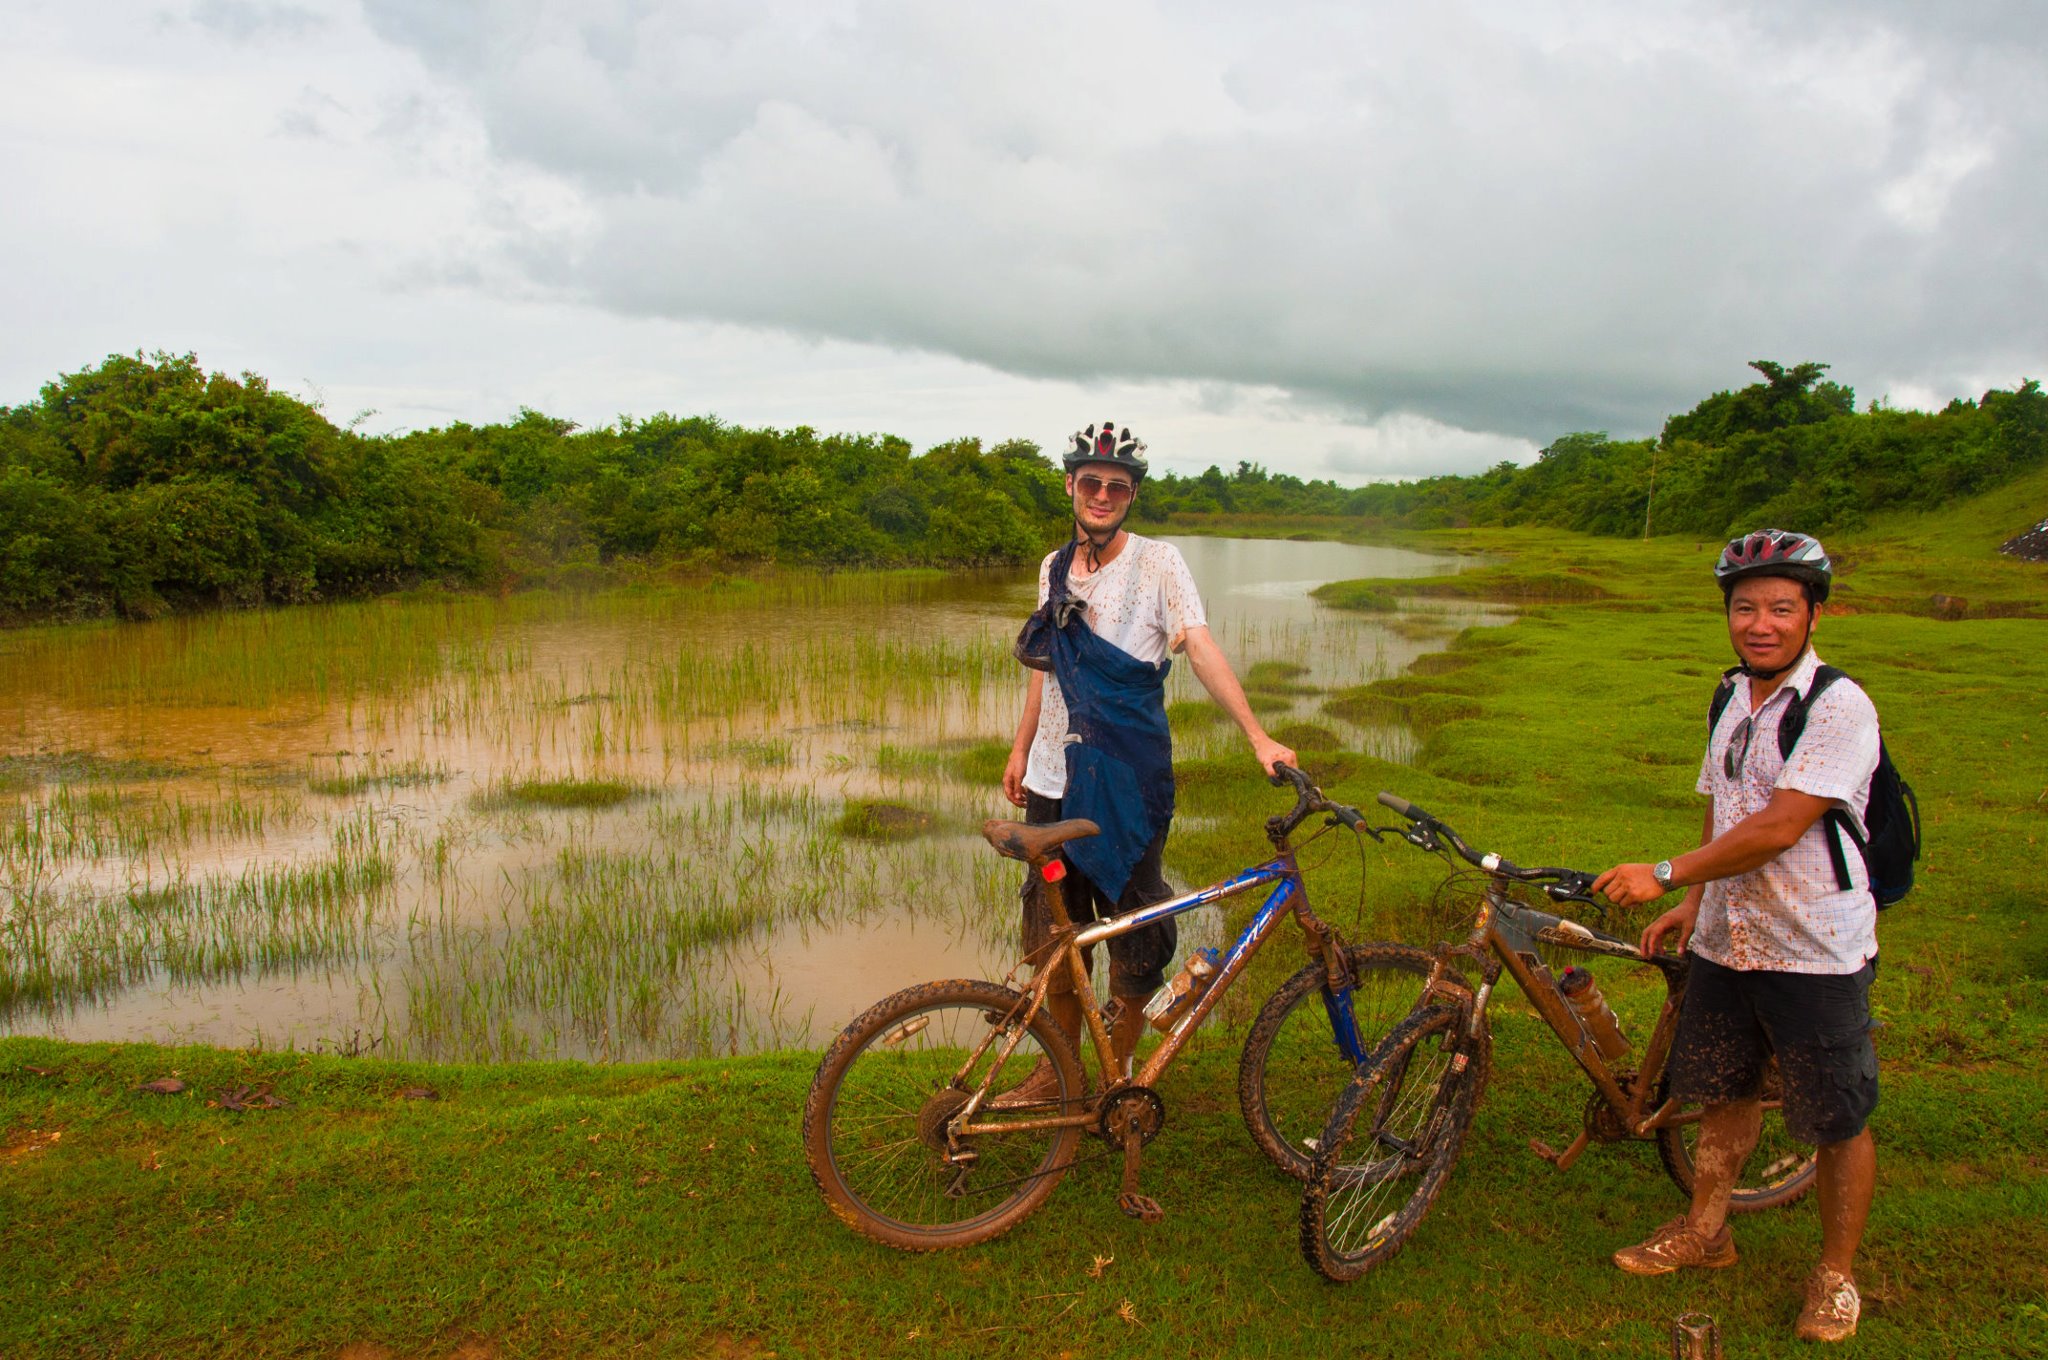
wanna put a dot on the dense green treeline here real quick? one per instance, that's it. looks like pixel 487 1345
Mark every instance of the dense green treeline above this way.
pixel 1791 449
pixel 146 486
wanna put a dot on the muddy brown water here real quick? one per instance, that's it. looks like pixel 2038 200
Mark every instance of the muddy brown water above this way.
pixel 379 827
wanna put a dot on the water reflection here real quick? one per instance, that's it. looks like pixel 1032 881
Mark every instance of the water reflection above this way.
pixel 319 827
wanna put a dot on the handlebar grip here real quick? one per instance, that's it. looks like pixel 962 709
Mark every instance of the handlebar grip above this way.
pixel 1347 815
pixel 1283 773
pixel 1403 807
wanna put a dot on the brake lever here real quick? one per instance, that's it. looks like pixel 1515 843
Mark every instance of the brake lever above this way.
pixel 1556 892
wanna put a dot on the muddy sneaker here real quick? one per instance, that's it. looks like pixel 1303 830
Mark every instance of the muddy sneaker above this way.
pixel 1675 1246
pixel 1042 1087
pixel 1832 1306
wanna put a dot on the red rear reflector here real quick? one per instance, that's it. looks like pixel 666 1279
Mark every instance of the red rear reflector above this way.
pixel 1054 870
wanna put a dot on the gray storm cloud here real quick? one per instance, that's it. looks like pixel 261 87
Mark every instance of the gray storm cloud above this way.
pixel 1516 220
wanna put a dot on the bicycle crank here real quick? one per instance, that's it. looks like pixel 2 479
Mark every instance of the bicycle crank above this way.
pixel 1133 1117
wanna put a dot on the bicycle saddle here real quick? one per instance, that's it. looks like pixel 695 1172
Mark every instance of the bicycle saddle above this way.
pixel 1035 844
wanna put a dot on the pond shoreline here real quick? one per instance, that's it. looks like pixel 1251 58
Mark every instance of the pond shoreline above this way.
pixel 599 825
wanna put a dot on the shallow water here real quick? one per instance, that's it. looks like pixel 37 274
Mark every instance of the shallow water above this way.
pixel 295 828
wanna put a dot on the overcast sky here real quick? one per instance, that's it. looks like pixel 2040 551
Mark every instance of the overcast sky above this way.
pixel 1354 240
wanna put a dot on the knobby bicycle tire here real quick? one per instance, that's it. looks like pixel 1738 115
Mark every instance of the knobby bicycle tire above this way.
pixel 1389 1145
pixel 1780 1169
pixel 875 1119
pixel 1291 1070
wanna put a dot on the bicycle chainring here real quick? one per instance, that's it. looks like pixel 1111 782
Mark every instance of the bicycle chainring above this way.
pixel 1602 1122
pixel 1131 1107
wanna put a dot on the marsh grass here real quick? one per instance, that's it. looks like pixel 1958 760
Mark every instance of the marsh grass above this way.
pixel 351 783
pixel 560 792
pixel 1277 678
pixel 71 767
pixel 772 735
pixel 884 822
pixel 62 949
pixel 761 753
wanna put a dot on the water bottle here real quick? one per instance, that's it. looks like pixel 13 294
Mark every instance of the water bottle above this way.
pixel 1582 994
pixel 1177 997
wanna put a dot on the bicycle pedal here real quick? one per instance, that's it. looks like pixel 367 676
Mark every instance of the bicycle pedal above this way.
pixel 1144 1208
pixel 1561 1160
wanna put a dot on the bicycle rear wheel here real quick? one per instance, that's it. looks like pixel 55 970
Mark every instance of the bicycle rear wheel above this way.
pixel 1779 1171
pixel 876 1120
pixel 1292 1070
pixel 1389 1145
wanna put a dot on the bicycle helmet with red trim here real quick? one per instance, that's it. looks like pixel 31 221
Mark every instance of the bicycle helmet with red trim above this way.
pixel 1118 449
pixel 1776 552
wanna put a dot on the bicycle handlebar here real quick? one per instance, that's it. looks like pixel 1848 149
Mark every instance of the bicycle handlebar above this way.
pixel 1430 833
pixel 1308 799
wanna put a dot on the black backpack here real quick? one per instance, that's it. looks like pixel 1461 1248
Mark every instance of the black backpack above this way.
pixel 1892 812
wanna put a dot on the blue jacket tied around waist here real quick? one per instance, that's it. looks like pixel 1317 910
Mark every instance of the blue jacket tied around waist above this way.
pixel 1120 753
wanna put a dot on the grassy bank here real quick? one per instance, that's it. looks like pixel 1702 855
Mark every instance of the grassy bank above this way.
pixel 569 1209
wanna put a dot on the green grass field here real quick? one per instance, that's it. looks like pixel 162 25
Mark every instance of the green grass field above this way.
pixel 553 1210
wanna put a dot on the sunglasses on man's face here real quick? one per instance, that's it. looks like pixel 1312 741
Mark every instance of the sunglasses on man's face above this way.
pixel 1092 487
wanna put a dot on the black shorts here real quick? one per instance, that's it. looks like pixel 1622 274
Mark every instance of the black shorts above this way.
pixel 1137 960
pixel 1818 1025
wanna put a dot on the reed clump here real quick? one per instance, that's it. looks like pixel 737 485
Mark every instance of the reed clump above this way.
pixel 564 792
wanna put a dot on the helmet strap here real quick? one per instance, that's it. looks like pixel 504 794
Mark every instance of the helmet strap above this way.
pixel 1098 542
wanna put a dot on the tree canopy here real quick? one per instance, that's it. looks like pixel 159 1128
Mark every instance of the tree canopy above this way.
pixel 146 485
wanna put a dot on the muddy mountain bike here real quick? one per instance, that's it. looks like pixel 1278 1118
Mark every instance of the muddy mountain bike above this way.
pixel 913 1128
pixel 1395 1132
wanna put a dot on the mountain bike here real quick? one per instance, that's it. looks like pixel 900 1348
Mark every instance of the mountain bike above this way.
pixel 1395 1132
pixel 912 1129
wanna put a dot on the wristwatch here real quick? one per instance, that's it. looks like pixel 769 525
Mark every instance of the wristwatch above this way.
pixel 1661 871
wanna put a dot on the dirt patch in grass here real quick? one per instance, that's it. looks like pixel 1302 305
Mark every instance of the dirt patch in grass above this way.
pixel 22 1144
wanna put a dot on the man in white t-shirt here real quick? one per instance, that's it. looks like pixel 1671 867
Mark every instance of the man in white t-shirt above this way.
pixel 1112 607
pixel 1781 928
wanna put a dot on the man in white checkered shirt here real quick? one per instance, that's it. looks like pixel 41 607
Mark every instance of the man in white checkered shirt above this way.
pixel 1783 952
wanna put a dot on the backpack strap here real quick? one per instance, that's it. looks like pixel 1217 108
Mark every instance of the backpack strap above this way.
pixel 1791 727
pixel 1723 692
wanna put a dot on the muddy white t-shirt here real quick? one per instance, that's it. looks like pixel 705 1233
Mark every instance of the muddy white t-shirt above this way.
pixel 1144 602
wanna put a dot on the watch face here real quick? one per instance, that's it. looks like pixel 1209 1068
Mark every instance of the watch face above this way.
pixel 1662 872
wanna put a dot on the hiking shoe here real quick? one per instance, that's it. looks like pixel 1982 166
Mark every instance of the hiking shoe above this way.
pixel 1042 1087
pixel 1675 1246
pixel 1832 1306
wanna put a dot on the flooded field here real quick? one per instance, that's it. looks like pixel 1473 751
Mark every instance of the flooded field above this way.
pixel 632 824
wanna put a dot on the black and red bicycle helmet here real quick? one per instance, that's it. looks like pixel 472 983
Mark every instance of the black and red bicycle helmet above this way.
pixel 1776 552
pixel 1118 449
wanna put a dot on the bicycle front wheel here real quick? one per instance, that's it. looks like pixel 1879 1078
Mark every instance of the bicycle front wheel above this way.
pixel 1292 1068
pixel 1779 1171
pixel 1389 1145
pixel 878 1121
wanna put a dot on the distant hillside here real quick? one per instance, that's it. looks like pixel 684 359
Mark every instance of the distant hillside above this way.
pixel 1790 450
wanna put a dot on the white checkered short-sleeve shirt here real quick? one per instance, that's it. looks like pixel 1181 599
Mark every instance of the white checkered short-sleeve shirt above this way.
pixel 1788 916
pixel 1144 602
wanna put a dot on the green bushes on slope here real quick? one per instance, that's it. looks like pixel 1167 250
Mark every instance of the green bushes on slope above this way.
pixel 146 486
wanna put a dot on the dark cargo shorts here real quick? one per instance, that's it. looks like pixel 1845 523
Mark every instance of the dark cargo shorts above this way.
pixel 1137 961
pixel 1818 1025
